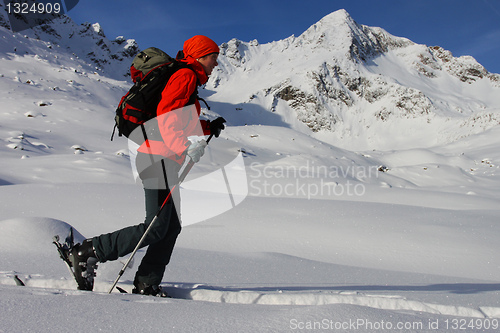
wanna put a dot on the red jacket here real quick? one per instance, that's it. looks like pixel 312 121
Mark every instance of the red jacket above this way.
pixel 176 121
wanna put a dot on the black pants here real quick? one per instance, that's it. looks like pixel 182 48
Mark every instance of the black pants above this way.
pixel 161 237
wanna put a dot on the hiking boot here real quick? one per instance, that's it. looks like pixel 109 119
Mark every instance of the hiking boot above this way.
pixel 84 262
pixel 150 290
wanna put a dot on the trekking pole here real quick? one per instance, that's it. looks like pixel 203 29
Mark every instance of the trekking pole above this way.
pixel 183 175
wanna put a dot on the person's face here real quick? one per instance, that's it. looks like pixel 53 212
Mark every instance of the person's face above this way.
pixel 209 62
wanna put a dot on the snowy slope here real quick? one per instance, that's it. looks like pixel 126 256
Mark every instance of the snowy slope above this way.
pixel 404 236
pixel 86 41
pixel 51 101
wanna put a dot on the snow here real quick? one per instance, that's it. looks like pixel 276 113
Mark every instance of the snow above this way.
pixel 317 236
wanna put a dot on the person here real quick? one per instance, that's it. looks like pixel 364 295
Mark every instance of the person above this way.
pixel 158 162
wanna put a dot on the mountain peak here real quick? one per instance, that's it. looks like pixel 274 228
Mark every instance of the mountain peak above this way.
pixel 340 15
pixel 339 33
pixel 338 20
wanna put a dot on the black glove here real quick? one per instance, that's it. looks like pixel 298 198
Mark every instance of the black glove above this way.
pixel 216 126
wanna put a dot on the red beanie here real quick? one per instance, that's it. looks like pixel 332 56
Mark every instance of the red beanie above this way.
pixel 199 46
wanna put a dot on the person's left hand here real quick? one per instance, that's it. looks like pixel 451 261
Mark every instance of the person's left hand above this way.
pixel 216 126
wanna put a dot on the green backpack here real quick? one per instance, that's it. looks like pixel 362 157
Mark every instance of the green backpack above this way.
pixel 150 72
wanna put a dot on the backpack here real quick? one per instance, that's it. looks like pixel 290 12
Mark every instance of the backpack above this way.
pixel 150 71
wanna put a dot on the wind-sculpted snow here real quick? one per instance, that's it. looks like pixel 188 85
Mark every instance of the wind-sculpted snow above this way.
pixel 264 281
pixel 296 296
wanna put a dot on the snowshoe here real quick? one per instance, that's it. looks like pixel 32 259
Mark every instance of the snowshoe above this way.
pixel 80 259
pixel 150 290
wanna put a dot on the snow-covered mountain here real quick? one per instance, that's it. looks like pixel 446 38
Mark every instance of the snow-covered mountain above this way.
pixel 360 87
pixel 86 41
pixel 344 83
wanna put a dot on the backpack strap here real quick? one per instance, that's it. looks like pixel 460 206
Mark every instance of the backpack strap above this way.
pixel 201 99
pixel 195 97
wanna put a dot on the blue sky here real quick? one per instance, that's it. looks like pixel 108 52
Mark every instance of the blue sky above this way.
pixel 465 27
